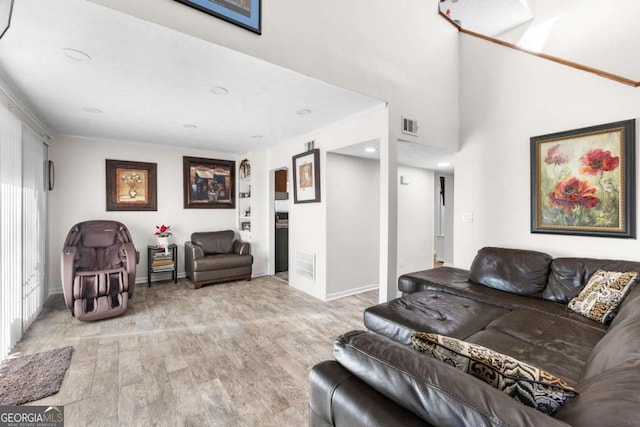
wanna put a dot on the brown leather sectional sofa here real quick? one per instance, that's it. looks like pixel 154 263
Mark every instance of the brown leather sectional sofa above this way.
pixel 512 301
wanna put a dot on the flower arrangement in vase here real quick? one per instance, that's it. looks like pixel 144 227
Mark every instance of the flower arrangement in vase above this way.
pixel 162 234
pixel 131 180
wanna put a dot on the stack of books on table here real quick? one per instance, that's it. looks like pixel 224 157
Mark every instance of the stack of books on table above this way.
pixel 162 262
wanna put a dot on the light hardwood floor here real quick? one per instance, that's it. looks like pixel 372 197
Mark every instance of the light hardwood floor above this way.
pixel 235 354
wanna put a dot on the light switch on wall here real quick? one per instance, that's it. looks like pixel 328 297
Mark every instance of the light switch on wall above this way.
pixel 467 217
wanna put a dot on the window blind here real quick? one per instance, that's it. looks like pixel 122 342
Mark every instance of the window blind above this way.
pixel 22 229
pixel 34 186
pixel 10 230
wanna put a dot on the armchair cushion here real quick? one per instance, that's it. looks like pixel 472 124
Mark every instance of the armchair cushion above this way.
pixel 214 242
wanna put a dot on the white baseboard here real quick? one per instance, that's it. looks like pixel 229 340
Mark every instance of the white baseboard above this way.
pixel 353 291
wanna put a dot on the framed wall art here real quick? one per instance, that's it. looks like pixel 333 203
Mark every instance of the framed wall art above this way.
pixel 244 13
pixel 306 177
pixel 583 181
pixel 131 186
pixel 209 183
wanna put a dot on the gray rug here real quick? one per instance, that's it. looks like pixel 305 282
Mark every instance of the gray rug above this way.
pixel 32 377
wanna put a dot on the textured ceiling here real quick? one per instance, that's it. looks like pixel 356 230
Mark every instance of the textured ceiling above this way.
pixel 146 83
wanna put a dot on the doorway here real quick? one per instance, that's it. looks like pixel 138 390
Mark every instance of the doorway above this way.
pixel 281 224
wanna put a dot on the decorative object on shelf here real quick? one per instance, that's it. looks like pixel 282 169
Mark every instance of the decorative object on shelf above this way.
pixel 162 235
pixel 245 169
pixel 209 183
pixel 583 181
pixel 306 177
pixel 243 13
pixel 131 186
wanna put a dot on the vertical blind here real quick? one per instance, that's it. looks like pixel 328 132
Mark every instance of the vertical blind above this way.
pixel 34 217
pixel 22 229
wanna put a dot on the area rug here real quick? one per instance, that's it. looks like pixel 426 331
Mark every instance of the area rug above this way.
pixel 32 377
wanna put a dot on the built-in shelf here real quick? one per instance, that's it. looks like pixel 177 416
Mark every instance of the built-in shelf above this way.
pixel 244 200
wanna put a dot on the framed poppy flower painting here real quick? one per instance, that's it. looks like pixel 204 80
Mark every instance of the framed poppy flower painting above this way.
pixel 583 181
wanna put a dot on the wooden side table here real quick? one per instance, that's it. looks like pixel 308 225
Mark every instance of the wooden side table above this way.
pixel 160 262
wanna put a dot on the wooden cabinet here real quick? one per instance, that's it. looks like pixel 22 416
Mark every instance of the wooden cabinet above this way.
pixel 281 181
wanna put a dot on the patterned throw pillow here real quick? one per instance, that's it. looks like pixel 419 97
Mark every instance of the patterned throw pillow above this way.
pixel 525 383
pixel 602 296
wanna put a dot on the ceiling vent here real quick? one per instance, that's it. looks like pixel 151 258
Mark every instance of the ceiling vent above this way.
pixel 409 126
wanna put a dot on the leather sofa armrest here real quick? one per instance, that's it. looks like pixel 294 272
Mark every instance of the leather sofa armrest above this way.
pixel 241 248
pixel 66 268
pixel 193 251
pixel 435 391
pixel 338 398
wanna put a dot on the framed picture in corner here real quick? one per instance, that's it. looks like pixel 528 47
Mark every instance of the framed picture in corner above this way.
pixel 306 177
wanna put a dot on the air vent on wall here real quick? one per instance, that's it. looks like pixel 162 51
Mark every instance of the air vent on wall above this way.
pixel 409 126
pixel 306 265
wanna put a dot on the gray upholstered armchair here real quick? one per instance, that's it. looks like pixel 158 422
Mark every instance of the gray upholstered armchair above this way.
pixel 216 256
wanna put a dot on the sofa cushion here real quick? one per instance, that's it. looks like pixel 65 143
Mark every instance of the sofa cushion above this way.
pixel 603 294
pixel 222 262
pixel 431 311
pixel 518 271
pixel 568 276
pixel 620 347
pixel 525 383
pixel 214 242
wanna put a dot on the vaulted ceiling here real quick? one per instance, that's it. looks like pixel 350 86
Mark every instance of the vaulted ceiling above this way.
pixel 147 71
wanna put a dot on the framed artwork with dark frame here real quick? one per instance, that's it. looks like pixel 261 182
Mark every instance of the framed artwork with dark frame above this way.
pixel 583 181
pixel 131 186
pixel 209 183
pixel 244 13
pixel 306 177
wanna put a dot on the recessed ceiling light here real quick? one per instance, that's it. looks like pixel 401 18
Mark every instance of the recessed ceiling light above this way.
pixel 370 149
pixel 189 126
pixel 256 136
pixel 444 164
pixel 76 54
pixel 219 90
pixel 91 110
pixel 304 112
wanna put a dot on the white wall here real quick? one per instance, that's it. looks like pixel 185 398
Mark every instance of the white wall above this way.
pixel 307 221
pixel 404 52
pixel 80 195
pixel 415 220
pixel 260 215
pixel 353 224
pixel 506 98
